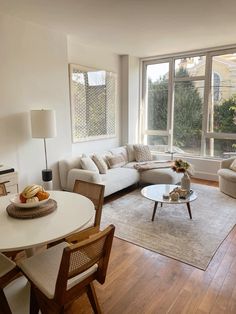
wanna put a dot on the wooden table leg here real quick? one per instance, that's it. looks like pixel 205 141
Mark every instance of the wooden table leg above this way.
pixel 154 210
pixel 189 210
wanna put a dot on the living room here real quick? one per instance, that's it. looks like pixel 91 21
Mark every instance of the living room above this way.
pixel 38 43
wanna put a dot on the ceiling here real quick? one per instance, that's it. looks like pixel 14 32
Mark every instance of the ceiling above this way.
pixel 137 27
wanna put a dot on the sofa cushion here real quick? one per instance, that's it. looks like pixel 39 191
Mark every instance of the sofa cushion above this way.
pixel 130 152
pixel 100 163
pixel 115 161
pixel 118 179
pixel 142 153
pixel 233 165
pixel 120 151
pixel 88 164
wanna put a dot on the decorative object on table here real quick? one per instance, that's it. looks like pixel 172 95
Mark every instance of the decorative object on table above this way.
pixel 32 195
pixel 43 125
pixel 174 196
pixel 32 212
pixel 182 166
pixel 183 193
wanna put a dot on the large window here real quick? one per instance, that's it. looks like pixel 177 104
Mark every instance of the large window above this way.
pixel 189 103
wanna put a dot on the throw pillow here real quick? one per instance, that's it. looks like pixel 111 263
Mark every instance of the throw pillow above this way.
pixel 115 161
pixel 233 165
pixel 88 164
pixel 120 151
pixel 100 163
pixel 130 151
pixel 142 152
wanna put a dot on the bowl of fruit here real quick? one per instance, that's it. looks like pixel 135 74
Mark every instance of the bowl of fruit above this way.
pixel 32 196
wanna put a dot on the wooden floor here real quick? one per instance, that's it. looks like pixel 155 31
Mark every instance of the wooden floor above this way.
pixel 141 281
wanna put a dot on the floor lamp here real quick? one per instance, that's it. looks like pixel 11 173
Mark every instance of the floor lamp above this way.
pixel 43 125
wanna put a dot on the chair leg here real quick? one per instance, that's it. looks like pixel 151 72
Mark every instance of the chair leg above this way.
pixel 4 306
pixel 34 308
pixel 93 299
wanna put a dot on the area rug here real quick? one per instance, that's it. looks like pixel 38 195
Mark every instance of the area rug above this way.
pixel 172 233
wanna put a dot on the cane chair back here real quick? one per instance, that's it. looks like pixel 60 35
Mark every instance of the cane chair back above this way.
pixel 3 190
pixel 93 191
pixel 80 265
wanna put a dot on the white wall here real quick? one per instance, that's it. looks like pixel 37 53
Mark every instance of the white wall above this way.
pixel 130 98
pixel 33 75
pixel 99 59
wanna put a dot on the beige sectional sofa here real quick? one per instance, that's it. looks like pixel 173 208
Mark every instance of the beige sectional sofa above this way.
pixel 117 178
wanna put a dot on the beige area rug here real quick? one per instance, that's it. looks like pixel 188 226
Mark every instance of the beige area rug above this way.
pixel 172 233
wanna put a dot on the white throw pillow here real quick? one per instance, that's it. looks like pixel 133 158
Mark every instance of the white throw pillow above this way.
pixel 100 163
pixel 142 152
pixel 88 164
pixel 233 165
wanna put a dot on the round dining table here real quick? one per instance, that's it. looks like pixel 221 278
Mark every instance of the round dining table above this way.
pixel 73 212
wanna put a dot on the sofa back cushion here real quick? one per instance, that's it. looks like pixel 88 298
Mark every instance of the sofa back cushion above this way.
pixel 130 152
pixel 100 163
pixel 142 153
pixel 120 151
pixel 88 164
pixel 116 161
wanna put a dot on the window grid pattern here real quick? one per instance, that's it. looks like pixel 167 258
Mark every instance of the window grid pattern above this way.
pixel 93 104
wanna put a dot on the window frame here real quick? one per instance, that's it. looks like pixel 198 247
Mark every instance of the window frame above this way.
pixel 207 78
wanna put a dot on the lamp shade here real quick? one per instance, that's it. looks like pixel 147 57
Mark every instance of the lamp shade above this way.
pixel 43 123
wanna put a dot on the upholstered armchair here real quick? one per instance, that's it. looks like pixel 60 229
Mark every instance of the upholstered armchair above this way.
pixel 227 178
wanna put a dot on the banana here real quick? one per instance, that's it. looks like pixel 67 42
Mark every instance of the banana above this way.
pixel 31 190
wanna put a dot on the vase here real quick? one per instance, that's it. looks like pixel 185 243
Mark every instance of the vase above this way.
pixel 185 182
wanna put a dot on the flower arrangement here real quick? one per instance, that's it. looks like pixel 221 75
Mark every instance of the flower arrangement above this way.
pixel 181 166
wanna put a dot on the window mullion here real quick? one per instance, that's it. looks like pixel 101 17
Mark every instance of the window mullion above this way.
pixel 170 123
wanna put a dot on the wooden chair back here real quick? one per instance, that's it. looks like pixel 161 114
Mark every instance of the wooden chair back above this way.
pixel 93 191
pixel 78 258
pixel 3 190
pixel 5 278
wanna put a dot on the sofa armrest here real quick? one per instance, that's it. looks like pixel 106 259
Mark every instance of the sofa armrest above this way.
pixel 225 163
pixel 81 174
pixel 65 165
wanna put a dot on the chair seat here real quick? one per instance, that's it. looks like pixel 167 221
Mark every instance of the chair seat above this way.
pixel 6 265
pixel 42 269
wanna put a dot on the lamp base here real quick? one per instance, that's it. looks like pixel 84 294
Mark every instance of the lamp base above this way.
pixel 47 179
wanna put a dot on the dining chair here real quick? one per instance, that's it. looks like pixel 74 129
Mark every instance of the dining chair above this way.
pixel 3 190
pixel 93 191
pixel 59 275
pixel 8 272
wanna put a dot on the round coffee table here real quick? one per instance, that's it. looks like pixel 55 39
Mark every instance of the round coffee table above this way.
pixel 155 193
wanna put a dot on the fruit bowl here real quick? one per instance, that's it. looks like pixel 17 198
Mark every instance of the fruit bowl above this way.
pixel 17 202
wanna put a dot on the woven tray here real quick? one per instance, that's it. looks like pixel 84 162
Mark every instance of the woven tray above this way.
pixel 30 213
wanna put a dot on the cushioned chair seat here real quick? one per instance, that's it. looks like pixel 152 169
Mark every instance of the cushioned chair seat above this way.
pixel 227 174
pixel 43 270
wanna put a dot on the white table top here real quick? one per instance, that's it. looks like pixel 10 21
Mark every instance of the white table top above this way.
pixel 72 213
pixel 155 193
